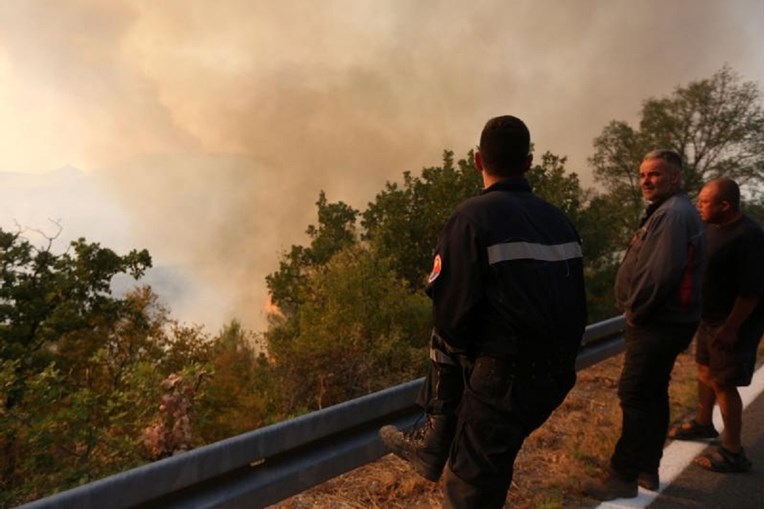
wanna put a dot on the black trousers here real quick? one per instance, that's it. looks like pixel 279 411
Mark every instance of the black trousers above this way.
pixel 644 395
pixel 497 406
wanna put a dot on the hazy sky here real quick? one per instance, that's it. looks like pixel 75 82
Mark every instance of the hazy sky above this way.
pixel 212 126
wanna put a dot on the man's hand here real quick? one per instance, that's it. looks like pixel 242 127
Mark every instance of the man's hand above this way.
pixel 726 338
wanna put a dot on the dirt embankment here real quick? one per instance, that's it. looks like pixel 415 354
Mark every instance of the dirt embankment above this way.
pixel 572 446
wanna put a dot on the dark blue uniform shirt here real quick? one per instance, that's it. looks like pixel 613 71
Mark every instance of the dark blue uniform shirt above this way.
pixel 507 278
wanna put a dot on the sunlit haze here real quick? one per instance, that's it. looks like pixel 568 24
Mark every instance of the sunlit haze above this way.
pixel 204 131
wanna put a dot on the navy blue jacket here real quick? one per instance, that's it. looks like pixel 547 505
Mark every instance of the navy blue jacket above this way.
pixel 507 278
pixel 659 280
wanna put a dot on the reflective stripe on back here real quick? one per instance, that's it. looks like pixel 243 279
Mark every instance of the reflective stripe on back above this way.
pixel 509 251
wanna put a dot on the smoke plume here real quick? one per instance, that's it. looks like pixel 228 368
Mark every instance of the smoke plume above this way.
pixel 216 124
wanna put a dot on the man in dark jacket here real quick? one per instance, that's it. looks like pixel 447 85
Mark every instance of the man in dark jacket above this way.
pixel 508 317
pixel 658 289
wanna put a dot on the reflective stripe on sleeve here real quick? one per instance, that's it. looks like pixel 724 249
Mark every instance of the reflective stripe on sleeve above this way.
pixel 441 357
pixel 509 251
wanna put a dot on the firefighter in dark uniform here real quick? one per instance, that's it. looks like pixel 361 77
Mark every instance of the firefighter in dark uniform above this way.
pixel 508 317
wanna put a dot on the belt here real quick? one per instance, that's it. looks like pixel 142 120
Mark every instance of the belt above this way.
pixel 533 369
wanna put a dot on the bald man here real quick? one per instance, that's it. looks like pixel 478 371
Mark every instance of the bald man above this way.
pixel 731 326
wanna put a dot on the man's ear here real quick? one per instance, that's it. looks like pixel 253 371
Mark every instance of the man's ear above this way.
pixel 478 161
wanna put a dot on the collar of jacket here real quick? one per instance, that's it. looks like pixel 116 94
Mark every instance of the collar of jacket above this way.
pixel 509 184
pixel 651 208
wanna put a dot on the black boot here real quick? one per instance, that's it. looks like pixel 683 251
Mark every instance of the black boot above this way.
pixel 425 446
pixel 611 487
pixel 649 480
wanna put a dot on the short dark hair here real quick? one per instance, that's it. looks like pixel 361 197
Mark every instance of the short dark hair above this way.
pixel 667 155
pixel 728 190
pixel 504 145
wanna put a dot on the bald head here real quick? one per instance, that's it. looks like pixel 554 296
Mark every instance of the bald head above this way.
pixel 727 190
pixel 719 201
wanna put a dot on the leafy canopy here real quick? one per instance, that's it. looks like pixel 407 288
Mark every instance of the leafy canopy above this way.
pixel 716 124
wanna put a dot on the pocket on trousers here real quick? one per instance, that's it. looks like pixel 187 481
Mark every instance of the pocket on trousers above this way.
pixel 485 444
pixel 491 382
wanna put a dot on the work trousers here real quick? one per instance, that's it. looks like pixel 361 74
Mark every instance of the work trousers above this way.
pixel 644 395
pixel 497 405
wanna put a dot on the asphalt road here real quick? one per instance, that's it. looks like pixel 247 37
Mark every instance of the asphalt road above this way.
pixel 687 486
pixel 696 487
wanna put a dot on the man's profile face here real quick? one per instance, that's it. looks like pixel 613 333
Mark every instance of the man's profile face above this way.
pixel 710 206
pixel 658 179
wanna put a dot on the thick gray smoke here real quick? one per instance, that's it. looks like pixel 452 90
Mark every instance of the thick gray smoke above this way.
pixel 215 124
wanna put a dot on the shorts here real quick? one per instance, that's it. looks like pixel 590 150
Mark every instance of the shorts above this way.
pixel 730 368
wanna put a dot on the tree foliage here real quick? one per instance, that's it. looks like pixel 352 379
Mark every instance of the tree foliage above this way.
pixel 93 383
pixel 548 179
pixel 716 124
pixel 336 229
pixel 46 299
pixel 241 392
pixel 62 349
pixel 404 220
pixel 84 373
pixel 362 331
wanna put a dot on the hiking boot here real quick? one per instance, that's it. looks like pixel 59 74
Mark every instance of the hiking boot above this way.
pixel 648 480
pixel 611 487
pixel 425 447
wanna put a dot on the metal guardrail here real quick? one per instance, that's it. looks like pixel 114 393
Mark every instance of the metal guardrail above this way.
pixel 264 466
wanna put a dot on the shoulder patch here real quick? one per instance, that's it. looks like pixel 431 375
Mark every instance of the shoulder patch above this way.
pixel 436 269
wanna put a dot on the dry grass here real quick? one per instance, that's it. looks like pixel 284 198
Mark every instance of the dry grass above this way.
pixel 573 445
